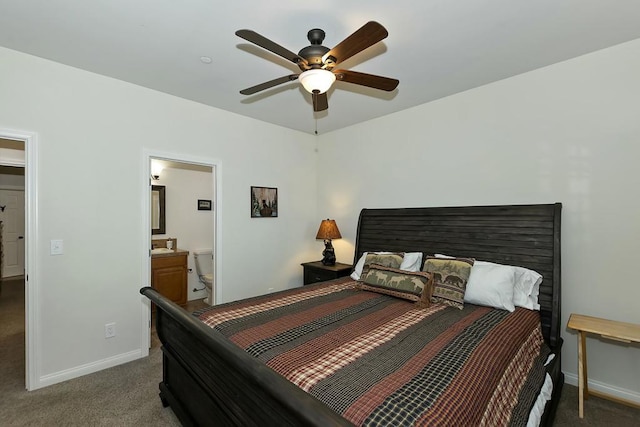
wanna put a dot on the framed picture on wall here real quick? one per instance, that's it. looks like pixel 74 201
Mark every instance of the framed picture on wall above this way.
pixel 204 205
pixel 264 202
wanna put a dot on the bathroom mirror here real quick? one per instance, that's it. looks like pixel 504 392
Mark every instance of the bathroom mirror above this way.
pixel 158 222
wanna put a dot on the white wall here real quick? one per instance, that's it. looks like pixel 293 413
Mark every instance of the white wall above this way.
pixel 11 181
pixel 192 228
pixel 92 134
pixel 11 152
pixel 567 133
pixel 12 164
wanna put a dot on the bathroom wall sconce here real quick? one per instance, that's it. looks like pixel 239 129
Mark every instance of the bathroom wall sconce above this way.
pixel 328 230
pixel 156 169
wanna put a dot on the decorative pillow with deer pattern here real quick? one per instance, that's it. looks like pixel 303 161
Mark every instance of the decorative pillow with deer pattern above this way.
pixel 413 286
pixel 450 276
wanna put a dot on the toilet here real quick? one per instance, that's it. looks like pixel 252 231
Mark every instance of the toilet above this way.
pixel 204 268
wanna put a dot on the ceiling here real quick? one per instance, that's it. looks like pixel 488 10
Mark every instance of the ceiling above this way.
pixel 435 48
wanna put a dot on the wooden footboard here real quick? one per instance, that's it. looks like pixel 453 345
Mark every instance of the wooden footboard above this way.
pixel 207 380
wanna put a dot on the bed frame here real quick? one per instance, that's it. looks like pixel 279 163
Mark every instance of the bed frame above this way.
pixel 208 380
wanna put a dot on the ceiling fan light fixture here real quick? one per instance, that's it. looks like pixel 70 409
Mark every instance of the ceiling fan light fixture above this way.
pixel 317 80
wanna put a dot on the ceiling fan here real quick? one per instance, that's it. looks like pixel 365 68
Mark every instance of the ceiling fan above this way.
pixel 317 62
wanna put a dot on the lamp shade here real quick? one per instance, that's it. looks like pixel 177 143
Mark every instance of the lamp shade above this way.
pixel 156 169
pixel 317 79
pixel 328 230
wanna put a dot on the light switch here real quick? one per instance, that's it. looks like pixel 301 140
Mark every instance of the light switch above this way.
pixel 57 247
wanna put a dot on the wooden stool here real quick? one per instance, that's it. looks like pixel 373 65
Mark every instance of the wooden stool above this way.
pixel 609 329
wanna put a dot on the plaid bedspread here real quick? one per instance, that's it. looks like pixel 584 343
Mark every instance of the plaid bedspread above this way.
pixel 380 361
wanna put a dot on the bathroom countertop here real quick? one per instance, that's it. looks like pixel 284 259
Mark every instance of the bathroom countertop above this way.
pixel 176 252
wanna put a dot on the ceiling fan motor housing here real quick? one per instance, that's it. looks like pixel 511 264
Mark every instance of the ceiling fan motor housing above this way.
pixel 314 53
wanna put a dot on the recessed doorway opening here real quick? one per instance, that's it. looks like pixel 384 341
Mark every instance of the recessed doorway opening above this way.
pixel 182 217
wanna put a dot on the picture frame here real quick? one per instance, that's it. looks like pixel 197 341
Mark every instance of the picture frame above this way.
pixel 264 202
pixel 204 205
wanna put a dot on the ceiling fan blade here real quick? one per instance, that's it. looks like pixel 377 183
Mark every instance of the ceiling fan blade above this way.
pixel 271 83
pixel 368 35
pixel 320 102
pixel 271 46
pixel 369 80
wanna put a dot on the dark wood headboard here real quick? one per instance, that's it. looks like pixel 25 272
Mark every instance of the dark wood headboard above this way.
pixel 523 235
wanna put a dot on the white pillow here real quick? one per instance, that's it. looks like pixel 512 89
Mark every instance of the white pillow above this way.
pixel 491 285
pixel 527 288
pixel 412 261
pixel 526 284
pixel 443 256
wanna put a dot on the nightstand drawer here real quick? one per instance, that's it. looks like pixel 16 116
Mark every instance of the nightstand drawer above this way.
pixel 317 272
pixel 313 276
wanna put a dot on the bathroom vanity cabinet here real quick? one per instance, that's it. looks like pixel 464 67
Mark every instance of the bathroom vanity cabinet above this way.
pixel 169 275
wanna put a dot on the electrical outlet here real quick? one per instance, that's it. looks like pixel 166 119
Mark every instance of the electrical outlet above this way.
pixel 270 290
pixel 109 330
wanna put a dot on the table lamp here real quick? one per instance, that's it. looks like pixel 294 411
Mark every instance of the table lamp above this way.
pixel 328 230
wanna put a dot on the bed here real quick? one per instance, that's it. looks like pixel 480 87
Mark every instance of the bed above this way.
pixel 208 379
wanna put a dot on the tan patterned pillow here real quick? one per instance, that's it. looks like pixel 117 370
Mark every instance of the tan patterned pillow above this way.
pixel 413 286
pixel 450 276
pixel 393 260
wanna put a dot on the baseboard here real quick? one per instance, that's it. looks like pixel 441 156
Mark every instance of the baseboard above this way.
pixel 597 386
pixel 89 368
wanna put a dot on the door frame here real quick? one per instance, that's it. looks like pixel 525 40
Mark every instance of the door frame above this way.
pixel 32 351
pixel 145 180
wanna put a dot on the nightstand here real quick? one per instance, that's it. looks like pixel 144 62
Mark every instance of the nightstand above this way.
pixel 318 272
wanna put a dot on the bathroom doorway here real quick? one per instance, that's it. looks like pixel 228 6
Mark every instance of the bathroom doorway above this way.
pixel 189 213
